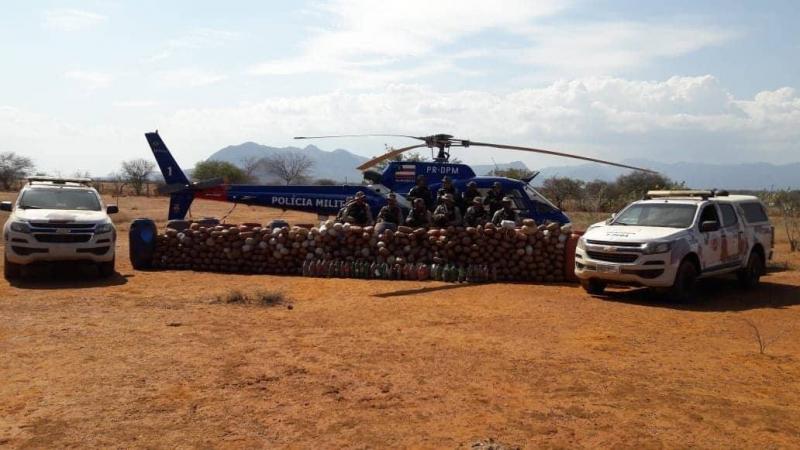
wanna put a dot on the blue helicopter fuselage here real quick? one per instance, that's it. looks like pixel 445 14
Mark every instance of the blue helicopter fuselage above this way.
pixel 398 177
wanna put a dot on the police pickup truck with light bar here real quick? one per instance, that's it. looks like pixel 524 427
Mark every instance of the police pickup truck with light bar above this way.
pixel 58 219
pixel 670 239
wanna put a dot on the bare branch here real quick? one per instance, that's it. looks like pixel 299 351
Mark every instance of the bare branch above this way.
pixel 289 167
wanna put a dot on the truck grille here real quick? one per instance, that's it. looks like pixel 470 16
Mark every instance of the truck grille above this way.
pixel 62 238
pixel 615 244
pixel 612 257
pixel 57 225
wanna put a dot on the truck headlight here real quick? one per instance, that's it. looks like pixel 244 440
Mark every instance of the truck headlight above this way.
pixel 581 243
pixel 104 228
pixel 653 248
pixel 20 227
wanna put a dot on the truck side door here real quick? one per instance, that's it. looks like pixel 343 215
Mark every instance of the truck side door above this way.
pixel 710 251
pixel 732 235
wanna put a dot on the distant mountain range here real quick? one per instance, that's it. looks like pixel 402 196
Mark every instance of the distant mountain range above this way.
pixel 340 165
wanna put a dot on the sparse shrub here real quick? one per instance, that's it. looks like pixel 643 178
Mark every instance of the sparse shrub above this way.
pixel 260 298
pixel 761 339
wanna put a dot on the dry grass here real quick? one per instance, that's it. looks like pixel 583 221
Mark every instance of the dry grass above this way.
pixel 259 298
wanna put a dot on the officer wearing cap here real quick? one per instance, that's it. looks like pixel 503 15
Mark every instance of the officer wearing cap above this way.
pixel 358 212
pixel 476 214
pixel 494 198
pixel 391 213
pixel 419 216
pixel 469 194
pixel 421 191
pixel 446 214
pixel 341 216
pixel 506 212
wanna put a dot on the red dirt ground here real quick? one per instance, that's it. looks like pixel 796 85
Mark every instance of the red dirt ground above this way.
pixel 150 359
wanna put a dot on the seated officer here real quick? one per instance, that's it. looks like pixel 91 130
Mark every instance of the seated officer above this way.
pixel 506 213
pixel 447 214
pixel 419 216
pixel 476 214
pixel 357 212
pixel 391 213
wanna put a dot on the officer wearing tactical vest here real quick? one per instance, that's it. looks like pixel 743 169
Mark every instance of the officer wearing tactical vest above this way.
pixel 506 212
pixel 476 214
pixel 469 194
pixel 447 214
pixel 421 191
pixel 358 212
pixel 391 213
pixel 494 198
pixel 419 216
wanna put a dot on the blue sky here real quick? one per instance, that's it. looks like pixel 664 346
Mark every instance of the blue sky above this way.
pixel 668 81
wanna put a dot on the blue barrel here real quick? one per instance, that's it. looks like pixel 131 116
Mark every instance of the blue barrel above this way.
pixel 142 243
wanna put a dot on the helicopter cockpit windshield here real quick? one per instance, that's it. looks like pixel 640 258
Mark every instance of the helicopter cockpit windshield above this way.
pixel 543 206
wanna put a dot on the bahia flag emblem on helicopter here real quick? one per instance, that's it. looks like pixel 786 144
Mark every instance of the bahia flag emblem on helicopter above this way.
pixel 406 173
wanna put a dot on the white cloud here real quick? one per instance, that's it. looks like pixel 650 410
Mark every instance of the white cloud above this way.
pixel 135 103
pixel 366 38
pixel 189 77
pixel 89 79
pixel 606 48
pixel 680 118
pixel 201 38
pixel 71 19
pixel 368 42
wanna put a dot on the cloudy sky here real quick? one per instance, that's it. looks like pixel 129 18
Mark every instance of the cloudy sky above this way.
pixel 714 81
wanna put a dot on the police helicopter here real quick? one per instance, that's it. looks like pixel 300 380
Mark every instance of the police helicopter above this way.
pixel 397 177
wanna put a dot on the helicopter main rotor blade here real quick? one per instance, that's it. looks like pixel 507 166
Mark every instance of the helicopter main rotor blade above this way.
pixel 360 135
pixel 566 155
pixel 378 159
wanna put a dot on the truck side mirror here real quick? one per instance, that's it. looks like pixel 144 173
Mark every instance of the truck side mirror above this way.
pixel 611 219
pixel 5 206
pixel 709 225
pixel 112 209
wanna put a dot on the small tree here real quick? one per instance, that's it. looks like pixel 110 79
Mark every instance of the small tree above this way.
pixel 595 196
pixel 251 165
pixel 13 167
pixel 205 170
pixel 289 167
pixel 561 189
pixel 135 173
pixel 516 173
pixel 788 203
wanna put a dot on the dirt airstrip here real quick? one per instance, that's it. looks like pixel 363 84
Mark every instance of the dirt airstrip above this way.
pixel 152 359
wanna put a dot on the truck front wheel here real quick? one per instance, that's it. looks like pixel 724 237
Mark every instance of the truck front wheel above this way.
pixel 682 290
pixel 105 269
pixel 594 287
pixel 11 270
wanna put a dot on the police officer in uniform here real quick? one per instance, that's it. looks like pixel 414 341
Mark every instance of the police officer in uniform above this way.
pixel 391 213
pixel 341 216
pixel 421 191
pixel 476 214
pixel 494 198
pixel 358 212
pixel 419 216
pixel 469 194
pixel 447 214
pixel 506 212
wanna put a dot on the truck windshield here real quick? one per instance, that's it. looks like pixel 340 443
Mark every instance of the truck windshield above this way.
pixel 670 215
pixel 71 199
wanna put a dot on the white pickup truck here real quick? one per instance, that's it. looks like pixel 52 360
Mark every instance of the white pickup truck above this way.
pixel 671 238
pixel 58 219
